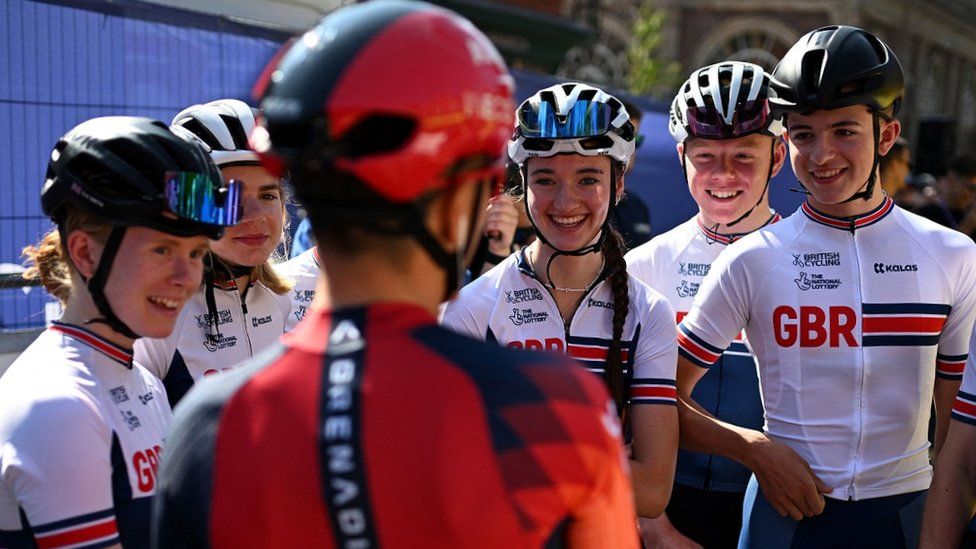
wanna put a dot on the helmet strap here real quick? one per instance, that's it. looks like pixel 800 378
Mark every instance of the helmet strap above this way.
pixel 96 286
pixel 868 191
pixel 597 246
pixel 451 263
pixel 769 176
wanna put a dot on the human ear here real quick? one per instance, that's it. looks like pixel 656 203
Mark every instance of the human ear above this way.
pixel 84 252
pixel 779 156
pixel 890 130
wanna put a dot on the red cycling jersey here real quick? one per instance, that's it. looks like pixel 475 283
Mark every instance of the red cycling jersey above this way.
pixel 375 427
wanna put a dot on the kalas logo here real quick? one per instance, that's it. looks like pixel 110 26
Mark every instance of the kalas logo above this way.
pixel 881 268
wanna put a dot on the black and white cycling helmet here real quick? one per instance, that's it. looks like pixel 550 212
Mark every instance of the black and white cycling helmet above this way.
pixel 223 126
pixel 572 118
pixel 723 101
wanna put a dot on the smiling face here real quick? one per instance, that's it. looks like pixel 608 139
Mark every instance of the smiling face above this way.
pixel 727 177
pixel 251 242
pixel 568 197
pixel 833 153
pixel 152 277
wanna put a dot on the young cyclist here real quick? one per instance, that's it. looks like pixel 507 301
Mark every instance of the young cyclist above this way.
pixel 242 304
pixel 857 311
pixel 568 290
pixel 391 118
pixel 81 424
pixel 729 147
pixel 950 503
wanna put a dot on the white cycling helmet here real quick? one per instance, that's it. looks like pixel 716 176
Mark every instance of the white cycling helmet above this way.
pixel 572 118
pixel 724 101
pixel 223 126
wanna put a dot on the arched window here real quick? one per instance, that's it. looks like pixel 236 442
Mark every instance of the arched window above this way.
pixel 757 40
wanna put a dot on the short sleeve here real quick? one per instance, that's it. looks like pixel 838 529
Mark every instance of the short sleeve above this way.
pixel 655 354
pixel 720 311
pixel 964 407
pixel 57 465
pixel 954 341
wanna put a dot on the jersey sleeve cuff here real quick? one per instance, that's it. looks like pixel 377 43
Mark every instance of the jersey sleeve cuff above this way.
pixel 950 367
pixel 82 532
pixel 695 349
pixel 964 408
pixel 653 391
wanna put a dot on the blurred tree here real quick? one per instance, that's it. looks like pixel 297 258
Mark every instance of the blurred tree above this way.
pixel 651 74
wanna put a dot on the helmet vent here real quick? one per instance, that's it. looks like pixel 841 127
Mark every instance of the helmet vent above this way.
pixel 203 132
pixel 377 134
pixel 236 130
pixel 813 65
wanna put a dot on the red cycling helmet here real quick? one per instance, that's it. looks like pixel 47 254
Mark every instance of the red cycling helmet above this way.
pixel 394 93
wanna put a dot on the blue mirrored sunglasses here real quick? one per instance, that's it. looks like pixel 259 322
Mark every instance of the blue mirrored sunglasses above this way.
pixel 584 119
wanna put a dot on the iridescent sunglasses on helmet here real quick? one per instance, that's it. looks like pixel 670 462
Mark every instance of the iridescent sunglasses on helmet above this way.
pixel 708 123
pixel 197 197
pixel 584 119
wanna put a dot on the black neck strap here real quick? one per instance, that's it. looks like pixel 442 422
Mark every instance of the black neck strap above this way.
pixel 769 177
pixel 868 191
pixel 96 286
pixel 452 263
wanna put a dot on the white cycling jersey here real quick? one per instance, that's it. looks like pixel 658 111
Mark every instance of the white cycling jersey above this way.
pixel 508 305
pixel 850 319
pixel 81 433
pixel 245 326
pixel 674 264
pixel 304 270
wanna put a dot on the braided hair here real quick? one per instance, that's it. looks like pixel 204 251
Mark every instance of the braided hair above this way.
pixel 613 252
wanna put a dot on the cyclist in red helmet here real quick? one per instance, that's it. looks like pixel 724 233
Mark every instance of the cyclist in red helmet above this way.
pixel 370 425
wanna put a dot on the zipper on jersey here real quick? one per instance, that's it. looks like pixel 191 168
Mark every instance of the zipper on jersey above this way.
pixel 860 389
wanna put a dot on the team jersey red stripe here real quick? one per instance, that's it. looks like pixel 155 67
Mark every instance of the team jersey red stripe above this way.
pixel 888 204
pixel 917 324
pixel 843 224
pixel 950 367
pixel 680 315
pixel 593 353
pixel 93 342
pixel 92 532
pixel 654 392
pixel 696 350
pixel 964 407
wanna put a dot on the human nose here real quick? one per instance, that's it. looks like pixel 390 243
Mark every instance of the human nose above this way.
pixel 565 196
pixel 821 150
pixel 725 169
pixel 187 271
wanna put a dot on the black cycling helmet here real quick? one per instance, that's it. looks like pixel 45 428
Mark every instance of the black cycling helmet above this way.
pixel 116 168
pixel 131 171
pixel 835 67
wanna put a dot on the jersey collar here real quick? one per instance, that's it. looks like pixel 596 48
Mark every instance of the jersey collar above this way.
pixel 115 352
pixel 850 223
pixel 728 238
